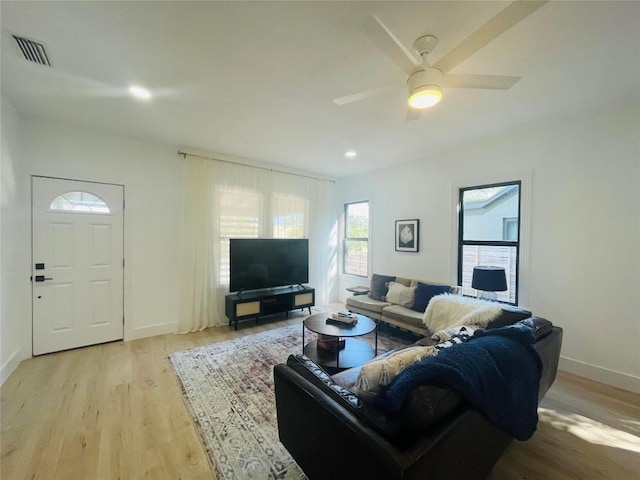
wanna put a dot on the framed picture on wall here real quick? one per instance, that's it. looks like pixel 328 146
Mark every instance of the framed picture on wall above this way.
pixel 407 232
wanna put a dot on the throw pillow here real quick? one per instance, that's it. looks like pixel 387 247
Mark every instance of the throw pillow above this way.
pixel 308 369
pixel 425 292
pixel 462 335
pixel 447 333
pixel 380 371
pixel 400 295
pixel 429 403
pixel 407 282
pixel 379 286
pixel 446 311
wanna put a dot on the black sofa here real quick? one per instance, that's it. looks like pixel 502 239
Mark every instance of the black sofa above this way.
pixel 331 433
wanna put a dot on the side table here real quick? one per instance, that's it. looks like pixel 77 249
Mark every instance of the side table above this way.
pixel 355 352
pixel 358 290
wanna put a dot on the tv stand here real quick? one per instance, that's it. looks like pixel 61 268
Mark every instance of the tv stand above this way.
pixel 256 304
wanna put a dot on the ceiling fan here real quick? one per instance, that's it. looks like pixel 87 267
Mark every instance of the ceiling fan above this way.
pixel 425 81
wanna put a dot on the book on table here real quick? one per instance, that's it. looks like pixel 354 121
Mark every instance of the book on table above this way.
pixel 343 319
pixel 330 343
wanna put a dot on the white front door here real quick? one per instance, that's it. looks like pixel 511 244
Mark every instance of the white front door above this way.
pixel 78 263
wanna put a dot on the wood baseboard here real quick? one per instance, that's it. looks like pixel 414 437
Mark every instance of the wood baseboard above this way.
pixel 151 331
pixel 10 365
pixel 600 375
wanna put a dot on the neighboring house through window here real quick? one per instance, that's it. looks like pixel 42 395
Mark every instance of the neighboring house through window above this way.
pixel 289 216
pixel 356 239
pixel 489 233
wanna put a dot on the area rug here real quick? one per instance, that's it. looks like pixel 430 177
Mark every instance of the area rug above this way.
pixel 228 390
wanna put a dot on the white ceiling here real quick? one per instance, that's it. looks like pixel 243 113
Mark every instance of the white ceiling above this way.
pixel 255 80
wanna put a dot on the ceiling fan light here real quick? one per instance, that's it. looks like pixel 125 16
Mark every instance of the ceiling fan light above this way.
pixel 140 92
pixel 425 97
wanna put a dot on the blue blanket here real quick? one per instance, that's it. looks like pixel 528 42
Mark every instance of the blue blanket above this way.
pixel 498 371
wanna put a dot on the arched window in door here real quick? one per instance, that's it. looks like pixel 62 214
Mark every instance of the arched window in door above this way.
pixel 79 202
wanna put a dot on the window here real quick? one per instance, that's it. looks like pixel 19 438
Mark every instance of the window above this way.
pixel 356 239
pixel 79 202
pixel 289 216
pixel 489 233
pixel 244 213
pixel 239 218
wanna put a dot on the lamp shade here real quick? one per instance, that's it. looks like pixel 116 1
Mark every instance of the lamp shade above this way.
pixel 489 279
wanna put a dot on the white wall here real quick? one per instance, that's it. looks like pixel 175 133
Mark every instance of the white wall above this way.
pixel 15 311
pixel 582 193
pixel 582 184
pixel 153 178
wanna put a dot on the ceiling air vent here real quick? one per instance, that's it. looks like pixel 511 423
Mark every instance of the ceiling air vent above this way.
pixel 32 50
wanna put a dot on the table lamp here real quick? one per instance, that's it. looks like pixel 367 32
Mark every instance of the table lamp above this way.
pixel 489 280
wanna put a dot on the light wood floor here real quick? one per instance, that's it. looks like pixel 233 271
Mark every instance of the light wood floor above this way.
pixel 115 411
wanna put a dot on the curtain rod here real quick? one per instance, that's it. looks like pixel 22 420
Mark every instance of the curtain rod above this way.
pixel 184 155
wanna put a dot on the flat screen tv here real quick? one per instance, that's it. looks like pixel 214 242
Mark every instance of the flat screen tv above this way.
pixel 257 263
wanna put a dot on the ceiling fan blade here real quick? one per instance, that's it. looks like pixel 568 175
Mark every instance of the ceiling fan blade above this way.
pixel 492 82
pixel 356 97
pixel 412 114
pixel 503 21
pixel 391 45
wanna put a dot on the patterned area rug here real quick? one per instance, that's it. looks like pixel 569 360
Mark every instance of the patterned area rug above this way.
pixel 228 390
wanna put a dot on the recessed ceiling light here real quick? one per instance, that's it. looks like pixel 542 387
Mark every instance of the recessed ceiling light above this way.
pixel 350 154
pixel 139 92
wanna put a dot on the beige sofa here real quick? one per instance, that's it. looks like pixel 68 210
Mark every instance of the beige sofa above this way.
pixel 380 306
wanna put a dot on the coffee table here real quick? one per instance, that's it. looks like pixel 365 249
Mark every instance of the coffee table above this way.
pixel 355 352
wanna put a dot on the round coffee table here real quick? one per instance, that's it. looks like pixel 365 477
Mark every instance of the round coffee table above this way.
pixel 355 351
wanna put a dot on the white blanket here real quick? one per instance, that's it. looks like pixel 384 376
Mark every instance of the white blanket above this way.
pixel 446 311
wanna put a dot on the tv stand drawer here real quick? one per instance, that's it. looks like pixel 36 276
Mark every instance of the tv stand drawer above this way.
pixel 303 299
pixel 248 308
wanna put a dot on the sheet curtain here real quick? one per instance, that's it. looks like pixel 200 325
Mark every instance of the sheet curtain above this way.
pixel 223 200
